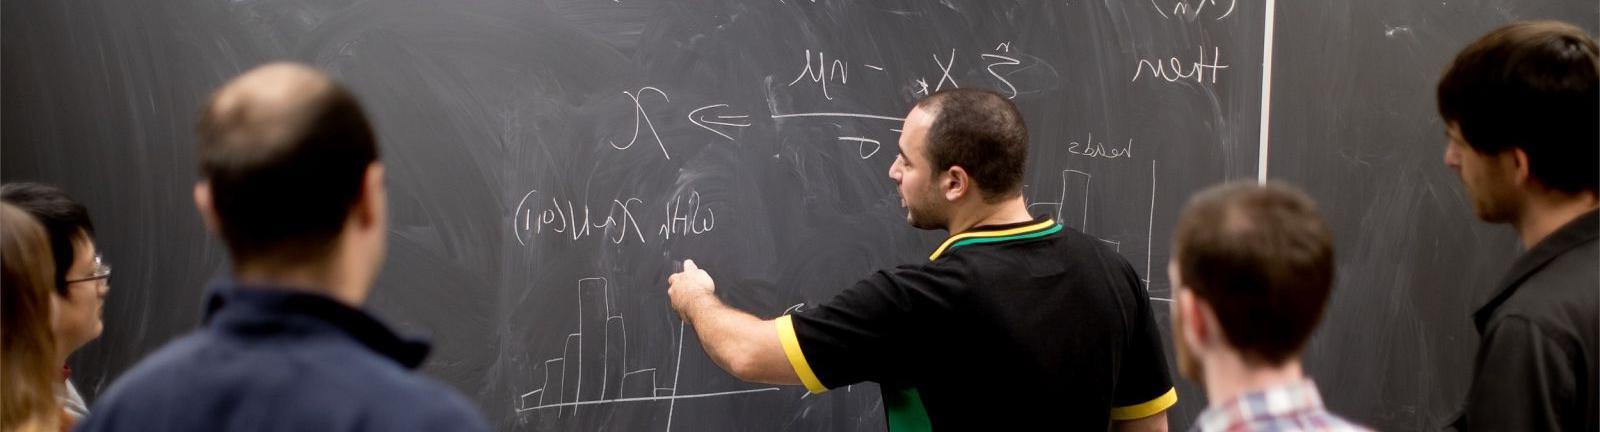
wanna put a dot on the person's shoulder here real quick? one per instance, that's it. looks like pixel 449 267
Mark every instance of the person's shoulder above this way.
pixel 384 389
pixel 951 271
pixel 1086 257
pixel 161 376
pixel 1561 296
pixel 1568 277
pixel 1093 260
pixel 157 369
pixel 447 407
pixel 1080 247
pixel 337 378
pixel 408 400
pixel 324 381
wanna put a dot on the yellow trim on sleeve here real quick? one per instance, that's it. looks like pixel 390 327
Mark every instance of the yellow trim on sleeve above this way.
pixel 1153 407
pixel 797 359
pixel 963 236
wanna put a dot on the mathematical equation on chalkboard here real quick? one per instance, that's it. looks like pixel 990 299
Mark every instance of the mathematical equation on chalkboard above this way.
pixel 819 73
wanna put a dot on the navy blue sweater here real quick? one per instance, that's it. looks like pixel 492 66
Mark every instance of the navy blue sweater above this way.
pixel 271 359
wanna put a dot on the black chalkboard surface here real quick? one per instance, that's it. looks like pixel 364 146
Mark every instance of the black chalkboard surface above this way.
pixel 549 162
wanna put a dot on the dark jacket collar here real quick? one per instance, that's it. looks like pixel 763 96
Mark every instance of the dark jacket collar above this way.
pixel 257 309
pixel 1583 229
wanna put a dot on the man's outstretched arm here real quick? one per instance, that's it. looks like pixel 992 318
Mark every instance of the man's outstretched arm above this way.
pixel 745 346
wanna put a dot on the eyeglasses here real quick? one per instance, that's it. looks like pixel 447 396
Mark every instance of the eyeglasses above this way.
pixel 102 271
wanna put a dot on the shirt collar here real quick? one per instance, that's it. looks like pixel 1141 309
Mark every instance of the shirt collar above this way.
pixel 1038 227
pixel 1584 229
pixel 259 309
pixel 1276 402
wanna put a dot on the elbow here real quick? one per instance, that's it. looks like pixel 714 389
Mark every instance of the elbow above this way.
pixel 750 366
pixel 743 366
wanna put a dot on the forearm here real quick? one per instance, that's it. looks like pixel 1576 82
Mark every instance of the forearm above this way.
pixel 746 346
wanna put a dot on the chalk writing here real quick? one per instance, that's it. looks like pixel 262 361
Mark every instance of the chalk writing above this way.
pixel 617 222
pixel 687 220
pixel 1097 149
pixel 642 117
pixel 999 65
pixel 555 394
pixel 1192 10
pixel 944 70
pixel 738 121
pixel 1172 70
pixel 838 114
pixel 1061 203
pixel 1073 202
pixel 823 71
pixel 1000 60
pixel 861 145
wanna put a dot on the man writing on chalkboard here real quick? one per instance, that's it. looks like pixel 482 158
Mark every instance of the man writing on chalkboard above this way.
pixel 1251 270
pixel 1014 323
pixel 292 182
pixel 1520 108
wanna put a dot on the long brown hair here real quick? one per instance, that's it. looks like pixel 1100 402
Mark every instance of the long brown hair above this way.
pixel 28 369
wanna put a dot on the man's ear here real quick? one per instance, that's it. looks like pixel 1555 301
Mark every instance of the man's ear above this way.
pixel 202 202
pixel 1521 174
pixel 956 183
pixel 373 203
pixel 1196 325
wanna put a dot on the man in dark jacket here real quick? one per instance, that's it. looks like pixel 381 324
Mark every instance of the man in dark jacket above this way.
pixel 292 183
pixel 1520 108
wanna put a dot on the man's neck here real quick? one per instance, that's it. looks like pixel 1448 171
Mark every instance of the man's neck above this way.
pixel 1228 376
pixel 1544 216
pixel 1013 210
pixel 307 280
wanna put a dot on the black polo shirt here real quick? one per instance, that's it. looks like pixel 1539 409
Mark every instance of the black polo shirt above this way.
pixel 1012 326
pixel 1536 368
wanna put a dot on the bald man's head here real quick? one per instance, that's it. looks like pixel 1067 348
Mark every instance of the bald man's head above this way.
pixel 284 150
pixel 263 110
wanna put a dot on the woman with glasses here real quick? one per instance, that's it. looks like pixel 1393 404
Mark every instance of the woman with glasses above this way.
pixel 82 278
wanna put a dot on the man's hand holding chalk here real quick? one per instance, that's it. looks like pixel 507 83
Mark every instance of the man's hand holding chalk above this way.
pixel 690 287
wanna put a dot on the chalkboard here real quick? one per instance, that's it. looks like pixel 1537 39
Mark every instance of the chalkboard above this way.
pixel 549 161
pixel 1353 120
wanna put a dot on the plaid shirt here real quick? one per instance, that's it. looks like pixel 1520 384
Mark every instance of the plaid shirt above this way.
pixel 1293 407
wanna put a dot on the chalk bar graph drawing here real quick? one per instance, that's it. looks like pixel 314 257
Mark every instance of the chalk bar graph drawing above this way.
pixel 1071 208
pixel 562 378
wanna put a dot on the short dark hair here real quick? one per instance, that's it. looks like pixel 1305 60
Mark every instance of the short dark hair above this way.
pixel 64 220
pixel 1533 86
pixel 1262 257
pixel 283 179
pixel 983 133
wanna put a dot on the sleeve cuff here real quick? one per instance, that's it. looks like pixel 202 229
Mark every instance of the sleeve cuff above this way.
pixel 797 359
pixel 1150 408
